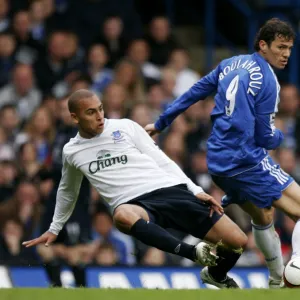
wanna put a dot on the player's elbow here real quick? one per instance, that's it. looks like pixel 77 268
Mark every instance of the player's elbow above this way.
pixel 269 142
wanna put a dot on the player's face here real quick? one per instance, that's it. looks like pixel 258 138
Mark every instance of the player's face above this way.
pixel 89 117
pixel 278 53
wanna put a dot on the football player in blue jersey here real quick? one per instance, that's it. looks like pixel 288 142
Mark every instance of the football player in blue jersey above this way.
pixel 243 130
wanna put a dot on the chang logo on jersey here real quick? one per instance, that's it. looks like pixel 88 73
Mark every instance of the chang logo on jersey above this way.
pixel 104 160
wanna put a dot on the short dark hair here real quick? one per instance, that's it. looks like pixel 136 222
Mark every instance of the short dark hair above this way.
pixel 272 29
pixel 7 106
pixel 76 97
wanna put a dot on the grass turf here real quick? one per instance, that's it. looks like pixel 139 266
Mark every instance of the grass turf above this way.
pixel 144 294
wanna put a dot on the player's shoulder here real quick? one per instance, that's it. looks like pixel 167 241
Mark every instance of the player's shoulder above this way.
pixel 120 123
pixel 71 145
pixel 235 58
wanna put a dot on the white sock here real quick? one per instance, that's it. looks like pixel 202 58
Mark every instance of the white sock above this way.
pixel 267 240
pixel 296 240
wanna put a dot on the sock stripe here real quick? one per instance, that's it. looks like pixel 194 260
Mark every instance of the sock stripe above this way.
pixel 262 227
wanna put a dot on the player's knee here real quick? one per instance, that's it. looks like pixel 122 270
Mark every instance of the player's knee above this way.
pixel 124 218
pixel 242 240
pixel 238 241
pixel 263 219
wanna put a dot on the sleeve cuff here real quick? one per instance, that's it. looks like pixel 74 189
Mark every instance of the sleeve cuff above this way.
pixel 196 190
pixel 53 229
pixel 159 125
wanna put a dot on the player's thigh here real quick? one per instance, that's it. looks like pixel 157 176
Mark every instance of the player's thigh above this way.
pixel 259 216
pixel 126 215
pixel 226 231
pixel 290 201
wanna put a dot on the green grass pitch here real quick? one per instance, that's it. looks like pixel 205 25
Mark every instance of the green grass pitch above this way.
pixel 143 294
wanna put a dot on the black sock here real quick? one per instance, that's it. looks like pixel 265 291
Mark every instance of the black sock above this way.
pixel 53 272
pixel 79 275
pixel 227 259
pixel 156 236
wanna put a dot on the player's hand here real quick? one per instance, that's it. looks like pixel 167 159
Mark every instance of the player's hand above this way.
pixel 47 238
pixel 214 204
pixel 151 130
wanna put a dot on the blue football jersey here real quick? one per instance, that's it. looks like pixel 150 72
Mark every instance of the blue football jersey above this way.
pixel 246 101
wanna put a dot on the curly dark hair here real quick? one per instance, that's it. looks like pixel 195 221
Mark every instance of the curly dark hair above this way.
pixel 274 28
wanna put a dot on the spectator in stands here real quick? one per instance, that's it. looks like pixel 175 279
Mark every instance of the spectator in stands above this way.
pixel 174 147
pixel 25 206
pixel 51 68
pixel 82 82
pixel 288 111
pixel 185 77
pixel 112 38
pixel 49 102
pixel 21 92
pixel 40 131
pixel 128 75
pixel 197 170
pixel 154 257
pixel 6 149
pixel 114 101
pixel 138 52
pixel 74 55
pixel 11 250
pixel 198 117
pixel 160 41
pixel 37 20
pixel 106 255
pixel 8 179
pixel 287 159
pixel 7 58
pixel 168 83
pixel 28 50
pixel 97 70
pixel 10 122
pixel 28 163
pixel 104 232
pixel 155 100
pixel 141 114
pixel 4 20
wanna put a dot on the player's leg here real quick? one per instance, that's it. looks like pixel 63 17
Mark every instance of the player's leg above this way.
pixel 74 260
pixel 267 240
pixel 290 204
pixel 135 220
pixel 233 241
pixel 260 185
pixel 51 263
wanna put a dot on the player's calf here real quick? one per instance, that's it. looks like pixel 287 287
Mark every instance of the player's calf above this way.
pixel 231 241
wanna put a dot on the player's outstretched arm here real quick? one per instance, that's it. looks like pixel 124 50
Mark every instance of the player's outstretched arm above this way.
pixel 47 238
pixel 199 91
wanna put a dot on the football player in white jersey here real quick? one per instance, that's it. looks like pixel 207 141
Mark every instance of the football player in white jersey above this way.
pixel 147 192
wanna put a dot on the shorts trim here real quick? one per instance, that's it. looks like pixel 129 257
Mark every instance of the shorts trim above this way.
pixel 288 184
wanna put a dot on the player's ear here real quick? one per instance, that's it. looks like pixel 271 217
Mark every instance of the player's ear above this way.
pixel 263 46
pixel 74 118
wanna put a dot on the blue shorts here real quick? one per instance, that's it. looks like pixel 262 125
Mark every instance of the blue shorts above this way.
pixel 260 185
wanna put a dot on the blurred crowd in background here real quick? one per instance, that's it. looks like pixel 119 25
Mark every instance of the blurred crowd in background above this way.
pixel 49 49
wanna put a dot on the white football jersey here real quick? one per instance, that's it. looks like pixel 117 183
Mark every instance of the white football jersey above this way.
pixel 122 163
